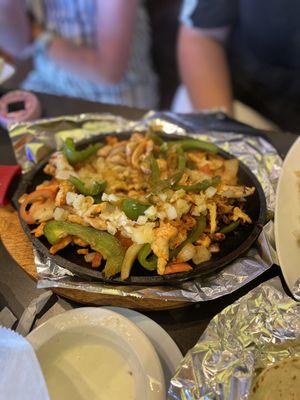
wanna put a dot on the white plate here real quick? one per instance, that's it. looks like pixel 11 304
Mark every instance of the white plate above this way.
pixel 287 217
pixel 167 350
pixel 95 353
pixel 6 71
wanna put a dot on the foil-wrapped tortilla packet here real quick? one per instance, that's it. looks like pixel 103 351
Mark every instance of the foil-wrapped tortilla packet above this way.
pixel 31 140
pixel 253 333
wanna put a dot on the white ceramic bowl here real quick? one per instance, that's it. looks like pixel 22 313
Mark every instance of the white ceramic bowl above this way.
pixel 166 349
pixel 95 353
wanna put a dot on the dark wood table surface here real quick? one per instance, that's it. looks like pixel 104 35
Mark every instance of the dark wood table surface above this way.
pixel 184 325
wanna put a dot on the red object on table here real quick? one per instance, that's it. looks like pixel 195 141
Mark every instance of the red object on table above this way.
pixel 7 174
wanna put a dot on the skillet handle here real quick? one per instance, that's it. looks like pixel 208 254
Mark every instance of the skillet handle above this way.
pixel 8 173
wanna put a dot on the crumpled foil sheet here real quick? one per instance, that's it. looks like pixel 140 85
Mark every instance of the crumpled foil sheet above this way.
pixel 32 140
pixel 256 331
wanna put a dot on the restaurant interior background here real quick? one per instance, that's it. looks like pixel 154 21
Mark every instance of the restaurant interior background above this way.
pixel 211 336
pixel 164 20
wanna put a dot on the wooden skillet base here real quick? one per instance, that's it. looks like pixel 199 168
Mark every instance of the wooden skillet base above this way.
pixel 20 248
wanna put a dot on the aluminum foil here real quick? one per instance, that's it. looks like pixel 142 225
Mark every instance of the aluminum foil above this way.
pixel 256 331
pixel 32 140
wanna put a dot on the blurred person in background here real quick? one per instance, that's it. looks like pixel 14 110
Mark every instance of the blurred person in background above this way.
pixel 241 49
pixel 98 50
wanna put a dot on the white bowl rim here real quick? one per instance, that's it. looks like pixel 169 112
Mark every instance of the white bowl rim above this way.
pixel 140 345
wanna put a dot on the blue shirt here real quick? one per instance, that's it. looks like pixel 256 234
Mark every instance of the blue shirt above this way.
pixel 75 20
pixel 264 40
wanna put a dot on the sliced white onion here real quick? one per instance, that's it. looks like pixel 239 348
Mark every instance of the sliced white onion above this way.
pixel 171 212
pixel 60 214
pixel 89 257
pixel 187 253
pixel 210 191
pixel 202 254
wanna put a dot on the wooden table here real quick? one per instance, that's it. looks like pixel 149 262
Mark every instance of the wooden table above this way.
pixel 184 325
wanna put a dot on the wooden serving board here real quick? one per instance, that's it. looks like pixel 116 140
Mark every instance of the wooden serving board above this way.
pixel 20 248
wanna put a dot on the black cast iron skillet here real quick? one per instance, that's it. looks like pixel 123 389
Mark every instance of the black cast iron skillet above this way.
pixel 235 244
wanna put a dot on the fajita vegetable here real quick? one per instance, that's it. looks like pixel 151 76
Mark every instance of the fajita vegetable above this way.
pixel 76 156
pixel 102 242
pixel 160 206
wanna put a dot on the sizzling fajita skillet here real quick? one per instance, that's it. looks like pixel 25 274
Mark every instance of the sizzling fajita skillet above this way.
pixel 235 244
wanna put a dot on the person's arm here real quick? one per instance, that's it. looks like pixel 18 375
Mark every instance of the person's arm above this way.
pixel 204 70
pixel 108 61
pixel 15 33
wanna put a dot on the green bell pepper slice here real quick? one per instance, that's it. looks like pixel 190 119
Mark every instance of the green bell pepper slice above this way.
pixel 133 208
pixel 158 184
pixel 193 236
pixel 155 173
pixel 76 156
pixel 195 144
pixel 155 138
pixel 103 242
pixel 180 168
pixel 149 263
pixel 229 228
pixel 200 186
pixel 96 189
